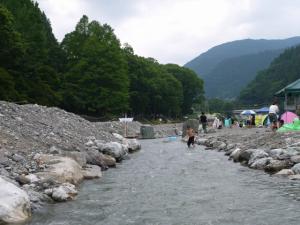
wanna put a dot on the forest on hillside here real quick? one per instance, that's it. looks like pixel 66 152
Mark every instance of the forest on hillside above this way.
pixel 89 72
pixel 228 68
pixel 284 70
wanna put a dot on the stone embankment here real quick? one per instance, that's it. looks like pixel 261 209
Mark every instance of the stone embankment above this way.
pixel 46 152
pixel 258 148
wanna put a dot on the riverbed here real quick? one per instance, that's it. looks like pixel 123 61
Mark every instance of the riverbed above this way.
pixel 169 184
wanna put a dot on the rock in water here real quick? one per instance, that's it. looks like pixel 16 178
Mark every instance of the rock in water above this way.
pixel 14 203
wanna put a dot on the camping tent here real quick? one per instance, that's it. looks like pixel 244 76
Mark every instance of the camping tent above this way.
pixel 294 126
pixel 263 110
pixel 248 112
pixel 288 117
pixel 261 120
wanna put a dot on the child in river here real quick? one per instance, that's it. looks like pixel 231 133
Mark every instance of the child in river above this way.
pixel 191 135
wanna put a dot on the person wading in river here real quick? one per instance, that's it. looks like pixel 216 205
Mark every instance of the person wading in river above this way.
pixel 191 135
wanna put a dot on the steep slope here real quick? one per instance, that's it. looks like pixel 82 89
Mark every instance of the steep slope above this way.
pixel 219 63
pixel 231 75
pixel 283 70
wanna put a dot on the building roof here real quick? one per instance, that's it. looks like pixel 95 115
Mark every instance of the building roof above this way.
pixel 293 87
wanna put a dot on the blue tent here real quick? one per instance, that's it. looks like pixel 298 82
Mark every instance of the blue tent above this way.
pixel 263 110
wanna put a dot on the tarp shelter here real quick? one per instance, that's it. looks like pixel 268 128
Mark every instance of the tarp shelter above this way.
pixel 295 126
pixel 263 110
pixel 288 117
pixel 248 112
pixel 261 120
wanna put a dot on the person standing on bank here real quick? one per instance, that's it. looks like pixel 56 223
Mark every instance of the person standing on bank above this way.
pixel 273 111
pixel 203 121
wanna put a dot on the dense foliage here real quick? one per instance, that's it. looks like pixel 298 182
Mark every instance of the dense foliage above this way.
pixel 96 80
pixel 192 86
pixel 89 72
pixel 229 67
pixel 32 52
pixel 230 76
pixel 216 105
pixel 283 70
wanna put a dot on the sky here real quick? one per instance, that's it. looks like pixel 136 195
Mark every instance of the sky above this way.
pixel 176 31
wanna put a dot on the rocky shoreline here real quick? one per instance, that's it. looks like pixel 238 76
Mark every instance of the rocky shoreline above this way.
pixel 258 148
pixel 46 152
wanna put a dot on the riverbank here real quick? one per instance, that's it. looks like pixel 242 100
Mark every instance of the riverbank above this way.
pixel 46 152
pixel 258 148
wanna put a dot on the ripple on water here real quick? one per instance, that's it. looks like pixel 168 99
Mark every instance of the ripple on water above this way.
pixel 168 184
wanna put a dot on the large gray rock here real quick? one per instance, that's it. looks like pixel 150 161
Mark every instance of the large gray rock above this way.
pixel 236 154
pixel 257 154
pixel 64 192
pixel 14 203
pixel 132 144
pixel 94 157
pixel 114 149
pixel 285 172
pixel 147 132
pixel 277 165
pixel 275 153
pixel 79 157
pixel 246 155
pixel 296 168
pixel 60 169
pixel 261 163
pixel 92 172
pixel 295 159
pixel 192 123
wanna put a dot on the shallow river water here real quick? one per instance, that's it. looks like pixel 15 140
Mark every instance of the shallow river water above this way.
pixel 168 184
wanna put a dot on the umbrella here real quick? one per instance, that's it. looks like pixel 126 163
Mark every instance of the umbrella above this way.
pixel 263 110
pixel 288 117
pixel 248 112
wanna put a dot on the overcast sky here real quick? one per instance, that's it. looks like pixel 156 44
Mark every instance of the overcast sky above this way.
pixel 176 31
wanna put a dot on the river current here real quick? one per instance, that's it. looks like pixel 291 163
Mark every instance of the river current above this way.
pixel 169 184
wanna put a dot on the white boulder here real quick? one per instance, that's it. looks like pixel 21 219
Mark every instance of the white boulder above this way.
pixel 14 203
pixel 296 168
pixel 64 192
pixel 60 169
pixel 114 149
pixel 132 144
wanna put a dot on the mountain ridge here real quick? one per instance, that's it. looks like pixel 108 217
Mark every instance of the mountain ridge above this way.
pixel 207 63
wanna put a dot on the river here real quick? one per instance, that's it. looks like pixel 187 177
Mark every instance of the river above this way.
pixel 168 184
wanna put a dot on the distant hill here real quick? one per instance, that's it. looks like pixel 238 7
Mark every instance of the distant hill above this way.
pixel 283 70
pixel 228 67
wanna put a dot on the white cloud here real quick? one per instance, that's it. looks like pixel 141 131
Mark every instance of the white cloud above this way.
pixel 178 30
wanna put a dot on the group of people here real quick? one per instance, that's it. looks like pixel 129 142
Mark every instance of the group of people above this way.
pixel 273 118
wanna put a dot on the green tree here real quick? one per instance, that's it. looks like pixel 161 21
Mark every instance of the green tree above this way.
pixel 96 82
pixel 283 70
pixel 153 91
pixel 192 86
pixel 41 53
